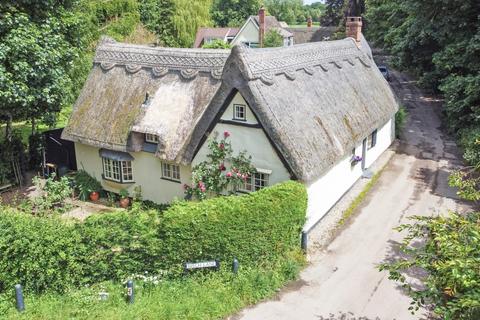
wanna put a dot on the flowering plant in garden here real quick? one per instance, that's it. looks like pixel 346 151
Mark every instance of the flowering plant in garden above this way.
pixel 221 172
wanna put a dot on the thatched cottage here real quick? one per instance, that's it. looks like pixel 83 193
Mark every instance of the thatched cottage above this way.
pixel 320 113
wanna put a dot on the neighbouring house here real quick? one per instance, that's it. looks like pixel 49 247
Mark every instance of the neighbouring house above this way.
pixel 207 35
pixel 251 34
pixel 320 113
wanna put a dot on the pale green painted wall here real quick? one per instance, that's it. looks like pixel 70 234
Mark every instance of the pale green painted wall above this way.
pixel 146 171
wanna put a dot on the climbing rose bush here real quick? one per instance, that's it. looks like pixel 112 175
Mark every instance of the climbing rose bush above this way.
pixel 221 173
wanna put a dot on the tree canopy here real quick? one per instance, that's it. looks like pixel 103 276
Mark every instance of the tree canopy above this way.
pixel 273 39
pixel 233 13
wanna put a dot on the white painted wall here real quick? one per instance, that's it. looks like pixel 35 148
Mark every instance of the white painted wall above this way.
pixel 253 140
pixel 248 33
pixel 327 190
pixel 146 173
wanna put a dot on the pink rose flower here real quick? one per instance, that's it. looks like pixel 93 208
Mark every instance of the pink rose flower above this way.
pixel 238 175
pixel 221 146
pixel 229 174
pixel 222 167
pixel 226 134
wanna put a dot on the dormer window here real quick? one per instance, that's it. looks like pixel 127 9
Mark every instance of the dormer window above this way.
pixel 151 138
pixel 239 112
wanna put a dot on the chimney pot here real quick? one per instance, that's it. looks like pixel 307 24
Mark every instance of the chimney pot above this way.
pixel 354 29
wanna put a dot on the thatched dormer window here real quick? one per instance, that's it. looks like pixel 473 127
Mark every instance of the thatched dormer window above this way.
pixel 151 138
pixel 257 181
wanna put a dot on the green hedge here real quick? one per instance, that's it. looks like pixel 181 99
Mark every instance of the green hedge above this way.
pixel 50 254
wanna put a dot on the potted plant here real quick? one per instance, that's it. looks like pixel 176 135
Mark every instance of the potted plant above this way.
pixel 94 195
pixel 87 186
pixel 124 199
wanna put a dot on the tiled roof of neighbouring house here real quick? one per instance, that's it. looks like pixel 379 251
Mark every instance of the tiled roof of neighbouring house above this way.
pixel 213 33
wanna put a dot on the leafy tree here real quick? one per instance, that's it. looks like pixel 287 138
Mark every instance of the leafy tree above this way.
pixel 447 249
pixel 334 12
pixel 217 44
pixel 233 13
pixel 176 21
pixel 36 53
pixel 221 172
pixel 286 10
pixel 273 39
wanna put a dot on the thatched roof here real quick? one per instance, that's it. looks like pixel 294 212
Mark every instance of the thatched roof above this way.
pixel 271 23
pixel 312 34
pixel 315 101
pixel 144 89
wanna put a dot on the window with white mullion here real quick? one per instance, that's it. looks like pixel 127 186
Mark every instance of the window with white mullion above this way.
pixel 170 171
pixel 127 172
pixel 239 112
pixel 152 138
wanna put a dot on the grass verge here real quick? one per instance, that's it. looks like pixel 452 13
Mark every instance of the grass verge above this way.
pixel 207 296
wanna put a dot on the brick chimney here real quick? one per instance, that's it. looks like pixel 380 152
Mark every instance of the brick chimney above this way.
pixel 354 29
pixel 309 22
pixel 261 22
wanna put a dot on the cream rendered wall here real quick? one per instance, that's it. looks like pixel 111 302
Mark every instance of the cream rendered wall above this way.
pixel 327 190
pixel 146 173
pixel 248 33
pixel 253 140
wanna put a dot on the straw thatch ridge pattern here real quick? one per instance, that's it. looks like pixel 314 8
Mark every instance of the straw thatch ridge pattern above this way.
pixel 315 101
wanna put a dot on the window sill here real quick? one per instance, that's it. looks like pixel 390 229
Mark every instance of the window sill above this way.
pixel 171 180
pixel 237 119
pixel 117 182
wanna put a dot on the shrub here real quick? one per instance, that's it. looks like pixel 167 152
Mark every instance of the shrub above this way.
pixel 400 119
pixel 447 249
pixel 257 228
pixel 53 194
pixel 39 253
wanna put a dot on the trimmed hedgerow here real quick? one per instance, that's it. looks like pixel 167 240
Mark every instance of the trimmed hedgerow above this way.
pixel 49 254
pixel 40 253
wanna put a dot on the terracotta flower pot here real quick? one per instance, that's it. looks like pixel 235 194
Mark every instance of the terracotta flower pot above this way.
pixel 124 202
pixel 94 196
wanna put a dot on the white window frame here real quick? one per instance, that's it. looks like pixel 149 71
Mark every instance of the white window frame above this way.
pixel 118 171
pixel 151 138
pixel 257 181
pixel 237 111
pixel 171 172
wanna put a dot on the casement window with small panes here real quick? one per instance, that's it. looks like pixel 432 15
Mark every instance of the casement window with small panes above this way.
pixel 151 138
pixel 257 181
pixel 239 112
pixel 119 171
pixel 170 171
